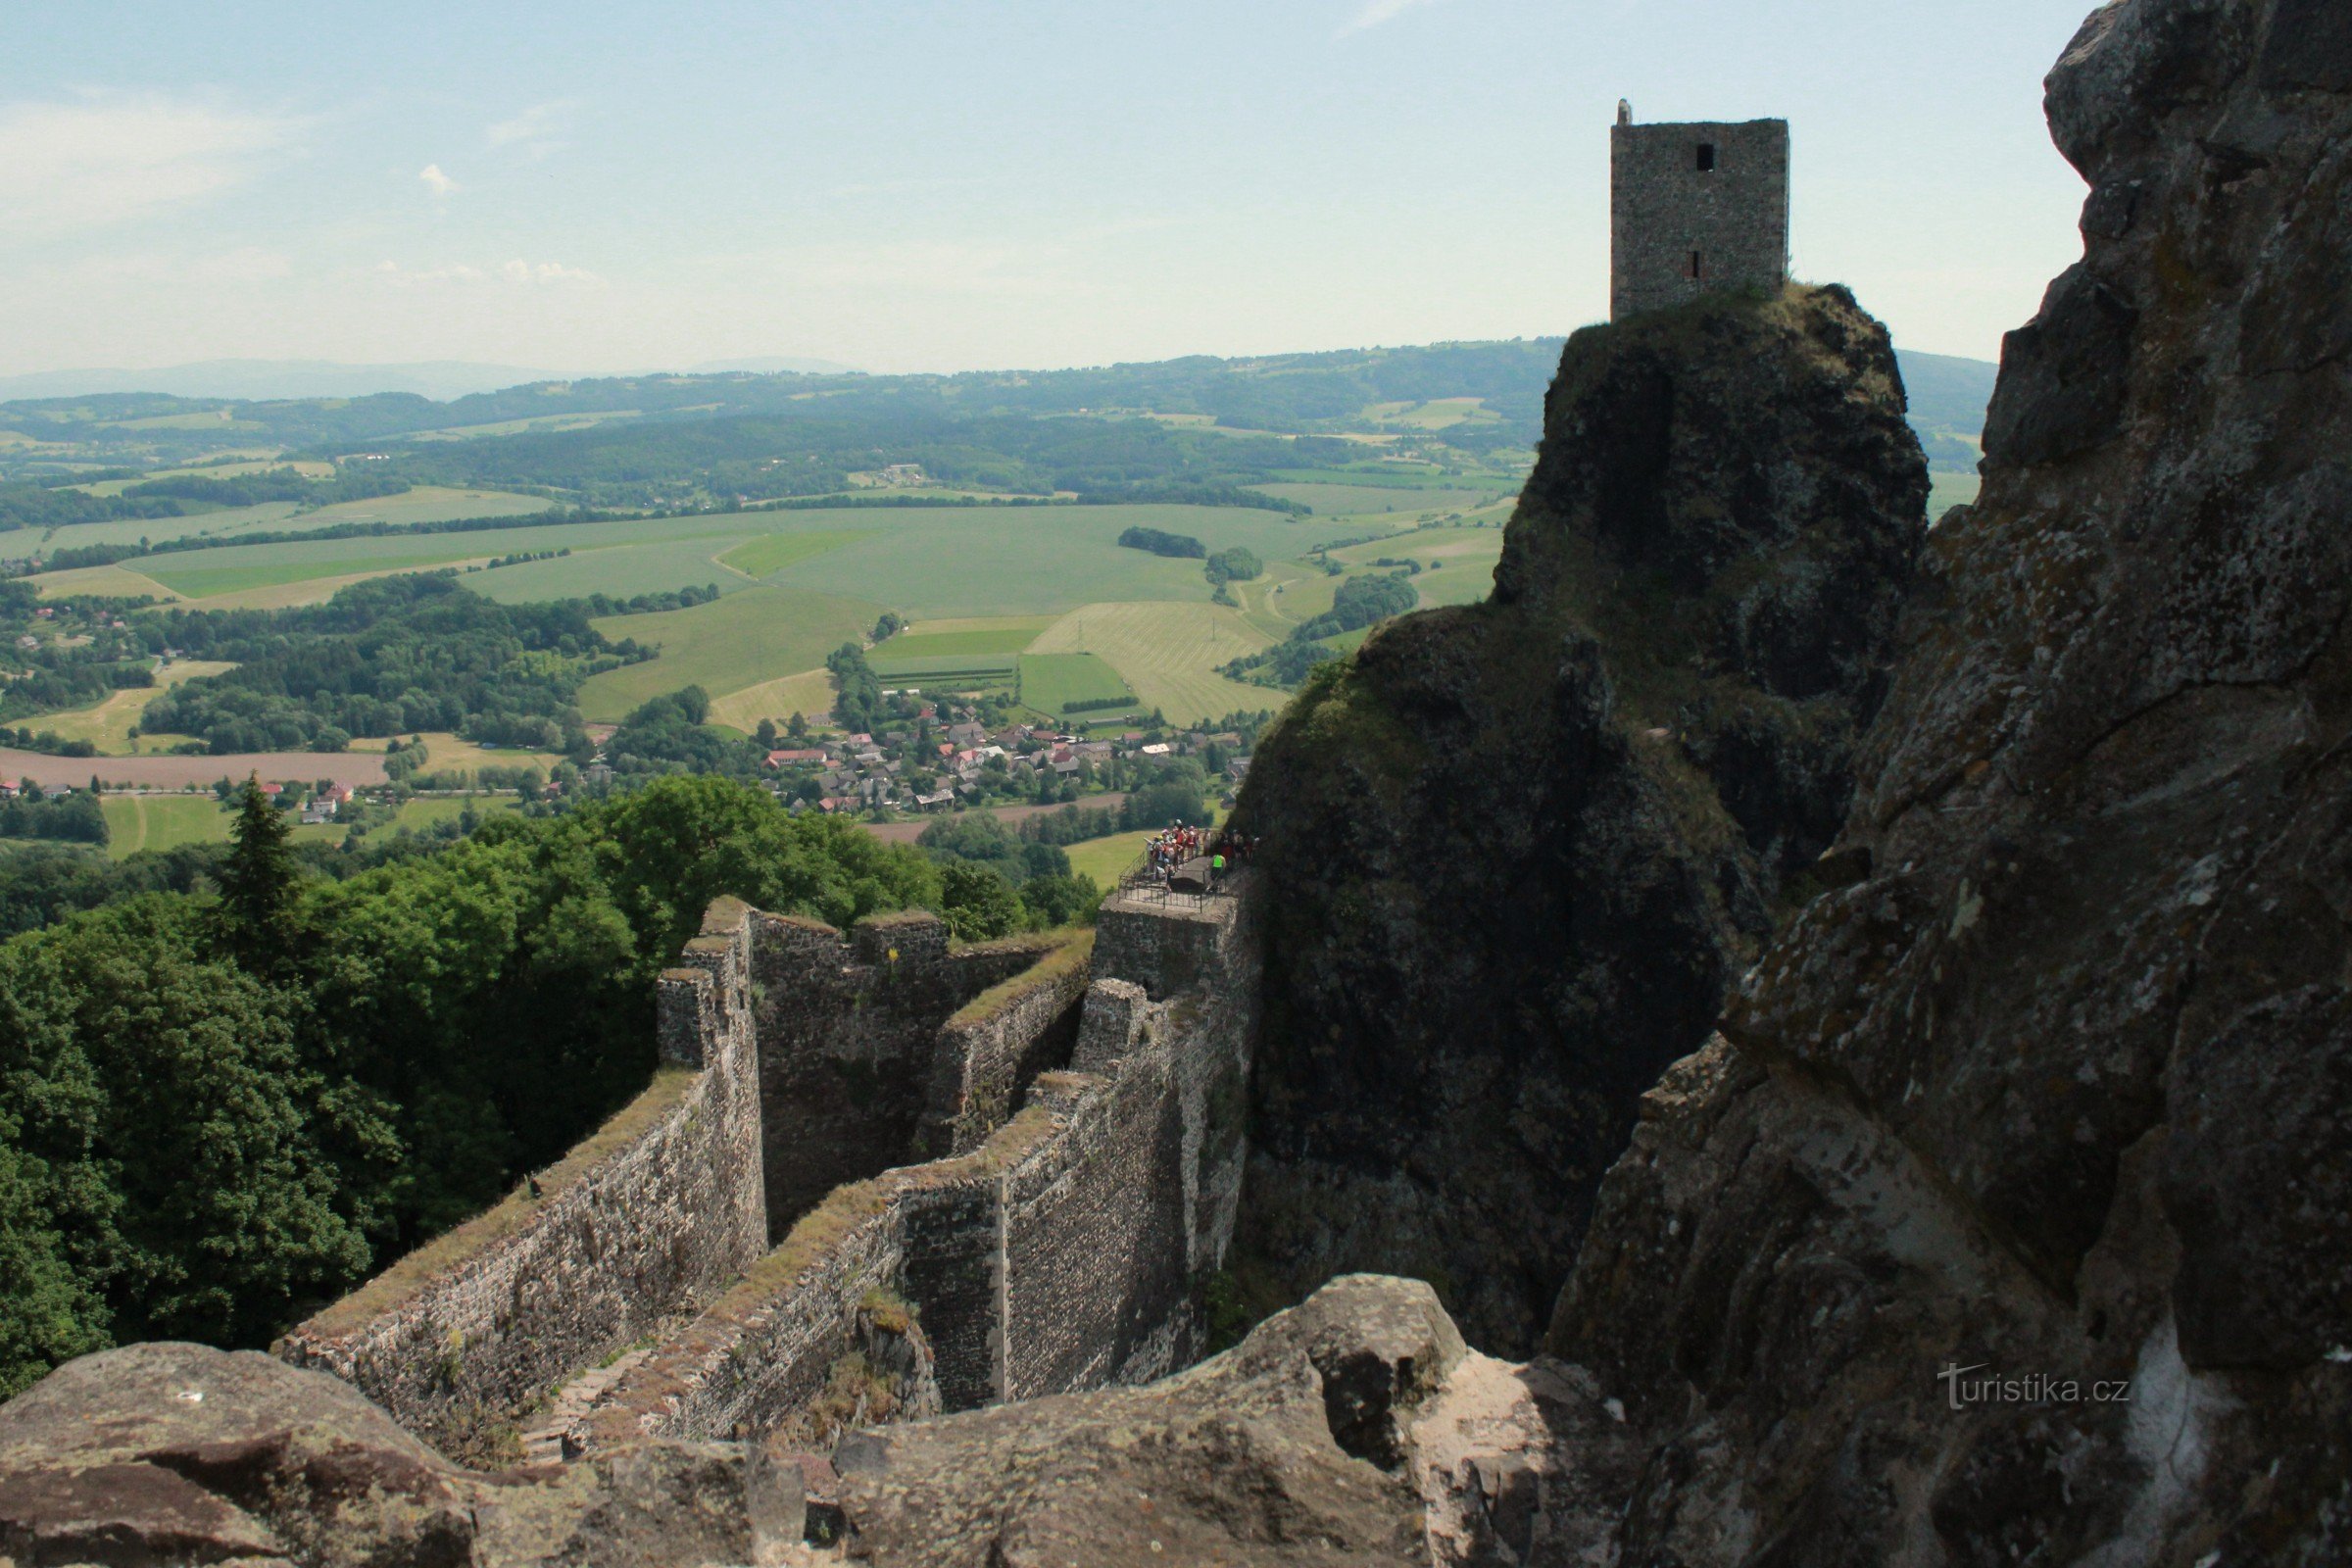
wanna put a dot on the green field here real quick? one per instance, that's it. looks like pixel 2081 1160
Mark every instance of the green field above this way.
pixel 775 551
pixel 1366 500
pixel 108 724
pixel 1167 654
pixel 205 582
pixel 1948 490
pixel 982 667
pixel 732 643
pixel 135 822
pixel 965 637
pixel 425 503
pixel 1104 859
pixel 1050 682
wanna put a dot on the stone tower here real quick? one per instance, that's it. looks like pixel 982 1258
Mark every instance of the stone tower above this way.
pixel 1695 209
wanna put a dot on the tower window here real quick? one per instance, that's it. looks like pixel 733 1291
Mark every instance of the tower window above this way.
pixel 1706 157
pixel 1694 272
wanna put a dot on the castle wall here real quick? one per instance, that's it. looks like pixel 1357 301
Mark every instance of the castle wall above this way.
pixel 850 1043
pixel 657 1210
pixel 1089 1133
pixel 1063 1251
pixel 1664 209
pixel 992 1046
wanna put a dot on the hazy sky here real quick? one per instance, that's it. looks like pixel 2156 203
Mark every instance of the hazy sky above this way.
pixel 913 184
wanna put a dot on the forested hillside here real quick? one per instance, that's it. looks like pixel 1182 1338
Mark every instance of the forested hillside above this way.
pixel 219 1106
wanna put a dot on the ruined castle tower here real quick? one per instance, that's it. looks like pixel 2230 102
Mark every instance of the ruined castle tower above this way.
pixel 1695 209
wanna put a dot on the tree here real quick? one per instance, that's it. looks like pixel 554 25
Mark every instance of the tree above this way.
pixel 978 903
pixel 259 882
pixel 1056 901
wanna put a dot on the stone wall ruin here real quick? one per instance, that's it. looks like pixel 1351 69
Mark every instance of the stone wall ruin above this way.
pixel 1003 1168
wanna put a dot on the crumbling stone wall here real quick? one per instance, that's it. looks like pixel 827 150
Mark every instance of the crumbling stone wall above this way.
pixel 1063 1251
pixel 850 1041
pixel 1091 1137
pixel 661 1207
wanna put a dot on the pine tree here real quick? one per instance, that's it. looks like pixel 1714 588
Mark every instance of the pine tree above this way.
pixel 256 885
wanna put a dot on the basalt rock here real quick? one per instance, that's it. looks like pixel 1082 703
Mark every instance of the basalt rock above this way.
pixel 1516 851
pixel 179 1453
pixel 2012 1219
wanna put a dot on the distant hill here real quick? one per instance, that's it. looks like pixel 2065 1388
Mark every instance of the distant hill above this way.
pixel 746 411
pixel 1947 393
pixel 771 366
pixel 274 380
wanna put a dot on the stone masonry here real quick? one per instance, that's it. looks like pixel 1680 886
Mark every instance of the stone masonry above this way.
pixel 1695 209
pixel 1064 1251
pixel 1083 1124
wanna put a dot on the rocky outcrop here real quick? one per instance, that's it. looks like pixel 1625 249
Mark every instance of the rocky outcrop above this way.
pixel 1313 1443
pixel 179 1453
pixel 2058 1096
pixel 1516 851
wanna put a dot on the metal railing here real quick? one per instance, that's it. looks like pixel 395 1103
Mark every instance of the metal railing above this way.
pixel 1142 880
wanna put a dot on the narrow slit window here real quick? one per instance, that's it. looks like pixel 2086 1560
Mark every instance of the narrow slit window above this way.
pixel 1706 157
pixel 1694 272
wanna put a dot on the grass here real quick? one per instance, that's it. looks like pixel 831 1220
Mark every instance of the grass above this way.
pixel 1166 654
pixel 1051 682
pixel 775 551
pixel 980 635
pixel 1368 499
pixel 1463 560
pixel 1104 859
pixel 109 724
pixel 1948 490
pixel 135 822
pixel 204 582
pixel 1054 965
pixel 808 694
pixel 111 582
pixel 734 643
pixel 981 667
pixel 444 749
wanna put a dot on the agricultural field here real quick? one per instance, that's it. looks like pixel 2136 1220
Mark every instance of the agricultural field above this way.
pixel 108 724
pixel 742 640
pixel 1463 562
pixel 1376 500
pixel 1167 654
pixel 1051 682
pixel 445 750
pixel 1948 490
pixel 982 586
pixel 1105 858
pixel 218 470
pixel 180 772
pixel 135 822
pixel 425 503
pixel 808 694
pixel 1437 414
pixel 773 552
pixel 988 634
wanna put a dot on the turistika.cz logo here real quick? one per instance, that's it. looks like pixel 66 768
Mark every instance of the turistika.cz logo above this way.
pixel 1964 1392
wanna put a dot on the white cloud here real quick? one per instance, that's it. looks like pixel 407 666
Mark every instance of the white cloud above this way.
pixel 517 273
pixel 67 167
pixel 437 182
pixel 1376 11
pixel 537 131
